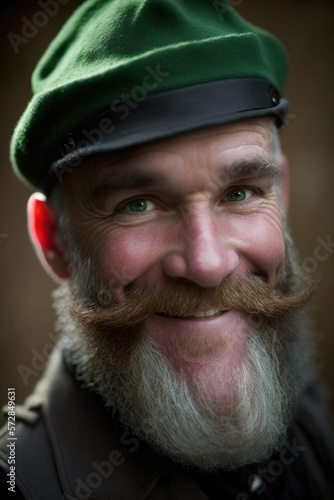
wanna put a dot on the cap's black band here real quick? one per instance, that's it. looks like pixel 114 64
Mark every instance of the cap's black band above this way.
pixel 165 115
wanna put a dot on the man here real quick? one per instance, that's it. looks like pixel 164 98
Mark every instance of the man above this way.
pixel 184 367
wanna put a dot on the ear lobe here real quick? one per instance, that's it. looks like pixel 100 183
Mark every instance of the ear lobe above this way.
pixel 43 232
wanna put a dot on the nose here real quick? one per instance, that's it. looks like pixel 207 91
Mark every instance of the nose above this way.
pixel 205 253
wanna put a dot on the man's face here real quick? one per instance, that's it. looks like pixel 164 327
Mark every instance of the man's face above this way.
pixel 202 208
pixel 198 211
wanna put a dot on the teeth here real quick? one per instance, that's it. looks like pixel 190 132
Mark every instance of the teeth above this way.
pixel 199 314
pixel 206 314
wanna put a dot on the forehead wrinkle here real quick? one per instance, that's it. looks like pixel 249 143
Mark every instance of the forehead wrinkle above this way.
pixel 132 167
pixel 128 180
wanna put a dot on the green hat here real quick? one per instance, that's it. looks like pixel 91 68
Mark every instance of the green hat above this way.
pixel 126 72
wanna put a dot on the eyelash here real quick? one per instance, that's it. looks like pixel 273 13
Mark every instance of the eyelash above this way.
pixel 255 191
pixel 121 207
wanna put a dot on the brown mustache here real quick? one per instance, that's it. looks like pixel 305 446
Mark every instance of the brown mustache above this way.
pixel 249 294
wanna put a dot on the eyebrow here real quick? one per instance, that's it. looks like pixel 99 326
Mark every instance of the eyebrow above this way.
pixel 124 178
pixel 253 168
pixel 127 180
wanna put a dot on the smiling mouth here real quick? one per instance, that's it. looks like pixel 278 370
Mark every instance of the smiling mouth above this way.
pixel 210 313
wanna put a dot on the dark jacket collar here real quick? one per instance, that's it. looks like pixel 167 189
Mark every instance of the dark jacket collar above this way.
pixel 92 454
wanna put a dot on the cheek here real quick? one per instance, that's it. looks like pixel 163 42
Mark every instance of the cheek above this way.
pixel 263 242
pixel 128 253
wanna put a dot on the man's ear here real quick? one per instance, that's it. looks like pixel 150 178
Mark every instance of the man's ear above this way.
pixel 285 182
pixel 44 235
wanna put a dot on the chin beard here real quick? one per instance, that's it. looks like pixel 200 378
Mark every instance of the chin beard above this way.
pixel 174 415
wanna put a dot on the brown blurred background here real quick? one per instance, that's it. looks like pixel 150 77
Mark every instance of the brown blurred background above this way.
pixel 306 29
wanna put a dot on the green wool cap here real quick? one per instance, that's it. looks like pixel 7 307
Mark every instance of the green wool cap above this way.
pixel 126 72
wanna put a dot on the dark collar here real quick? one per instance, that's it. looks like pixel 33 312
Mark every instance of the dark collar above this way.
pixel 91 451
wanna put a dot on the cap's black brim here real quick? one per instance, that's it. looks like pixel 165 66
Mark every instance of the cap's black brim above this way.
pixel 164 115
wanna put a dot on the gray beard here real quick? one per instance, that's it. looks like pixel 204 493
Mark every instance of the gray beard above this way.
pixel 175 416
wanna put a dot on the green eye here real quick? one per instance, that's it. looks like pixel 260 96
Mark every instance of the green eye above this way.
pixel 236 195
pixel 137 205
pixel 140 205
